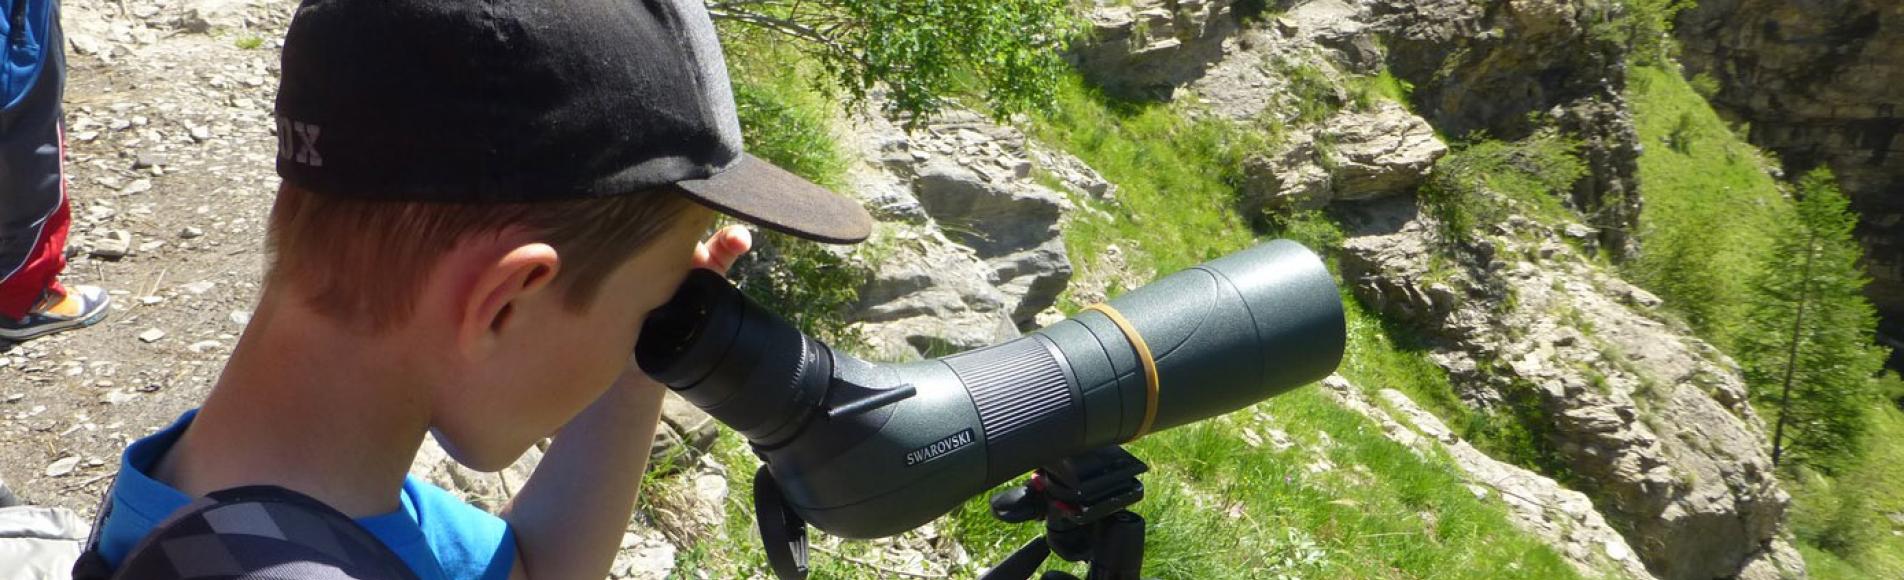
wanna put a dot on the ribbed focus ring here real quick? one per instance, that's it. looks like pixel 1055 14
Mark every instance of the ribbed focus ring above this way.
pixel 1013 385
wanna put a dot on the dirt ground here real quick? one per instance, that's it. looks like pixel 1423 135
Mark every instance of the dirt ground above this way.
pixel 170 136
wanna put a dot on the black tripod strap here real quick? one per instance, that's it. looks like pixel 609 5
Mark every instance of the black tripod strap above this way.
pixel 782 533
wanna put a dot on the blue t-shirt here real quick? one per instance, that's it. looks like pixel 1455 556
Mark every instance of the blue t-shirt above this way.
pixel 438 535
pixel 23 50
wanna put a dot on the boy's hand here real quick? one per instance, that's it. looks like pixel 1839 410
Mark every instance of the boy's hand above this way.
pixel 721 249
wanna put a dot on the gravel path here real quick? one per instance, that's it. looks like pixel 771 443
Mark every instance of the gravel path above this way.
pixel 170 164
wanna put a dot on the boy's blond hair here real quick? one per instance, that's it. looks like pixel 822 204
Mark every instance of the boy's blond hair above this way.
pixel 361 262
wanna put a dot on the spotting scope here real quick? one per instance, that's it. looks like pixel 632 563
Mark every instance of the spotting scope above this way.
pixel 865 450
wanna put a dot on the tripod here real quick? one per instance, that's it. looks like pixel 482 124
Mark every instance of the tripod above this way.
pixel 1082 499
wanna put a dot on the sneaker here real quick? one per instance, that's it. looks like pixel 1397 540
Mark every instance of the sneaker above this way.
pixel 82 306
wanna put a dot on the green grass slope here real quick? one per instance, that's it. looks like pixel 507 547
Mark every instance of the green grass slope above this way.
pixel 1342 502
pixel 1843 523
pixel 1709 218
pixel 1711 209
pixel 1174 177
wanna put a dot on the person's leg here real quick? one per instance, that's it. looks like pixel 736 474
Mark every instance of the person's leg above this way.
pixel 34 211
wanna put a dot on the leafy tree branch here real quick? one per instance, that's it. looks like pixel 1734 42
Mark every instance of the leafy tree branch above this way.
pixel 924 53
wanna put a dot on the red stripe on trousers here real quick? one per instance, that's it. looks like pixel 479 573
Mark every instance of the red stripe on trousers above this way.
pixel 40 274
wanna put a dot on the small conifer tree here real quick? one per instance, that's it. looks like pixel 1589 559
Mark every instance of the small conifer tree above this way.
pixel 1808 347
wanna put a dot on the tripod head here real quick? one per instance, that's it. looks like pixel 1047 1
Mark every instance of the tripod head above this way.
pixel 1084 501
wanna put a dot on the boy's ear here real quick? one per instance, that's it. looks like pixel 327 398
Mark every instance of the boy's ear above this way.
pixel 502 284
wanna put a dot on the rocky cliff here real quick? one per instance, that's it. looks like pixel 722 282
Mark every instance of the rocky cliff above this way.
pixel 1510 67
pixel 1146 50
pixel 1502 69
pixel 969 248
pixel 1652 424
pixel 1819 83
pixel 1649 423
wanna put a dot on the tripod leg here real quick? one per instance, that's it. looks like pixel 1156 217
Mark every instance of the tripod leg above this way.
pixel 1118 552
pixel 1022 563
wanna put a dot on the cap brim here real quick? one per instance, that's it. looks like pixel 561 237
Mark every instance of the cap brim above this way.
pixel 760 193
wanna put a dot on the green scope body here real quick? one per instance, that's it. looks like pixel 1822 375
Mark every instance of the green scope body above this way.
pixel 865 450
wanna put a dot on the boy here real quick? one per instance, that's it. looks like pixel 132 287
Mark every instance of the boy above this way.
pixel 481 203
pixel 34 211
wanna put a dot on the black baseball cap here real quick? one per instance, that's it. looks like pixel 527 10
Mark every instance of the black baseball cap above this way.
pixel 524 101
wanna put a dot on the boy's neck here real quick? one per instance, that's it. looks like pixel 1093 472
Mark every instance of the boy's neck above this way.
pixel 303 405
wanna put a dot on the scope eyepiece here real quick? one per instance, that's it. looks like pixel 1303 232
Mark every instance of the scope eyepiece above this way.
pixel 677 325
pixel 742 364
pixel 671 348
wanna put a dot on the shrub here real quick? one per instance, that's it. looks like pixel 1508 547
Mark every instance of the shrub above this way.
pixel 1644 28
pixel 1476 184
pixel 813 286
pixel 1891 386
pixel 1678 265
pixel 1835 517
pixel 1315 92
pixel 1367 91
pixel 1705 85
pixel 923 54
pixel 1309 228
pixel 1683 134
pixel 1519 432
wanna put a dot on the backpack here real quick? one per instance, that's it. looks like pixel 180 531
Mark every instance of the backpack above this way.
pixel 38 543
pixel 252 532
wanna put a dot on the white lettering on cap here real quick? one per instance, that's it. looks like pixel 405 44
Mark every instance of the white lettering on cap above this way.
pixel 297 141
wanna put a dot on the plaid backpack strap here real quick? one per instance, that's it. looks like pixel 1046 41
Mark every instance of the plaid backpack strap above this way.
pixel 261 532
pixel 91 565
